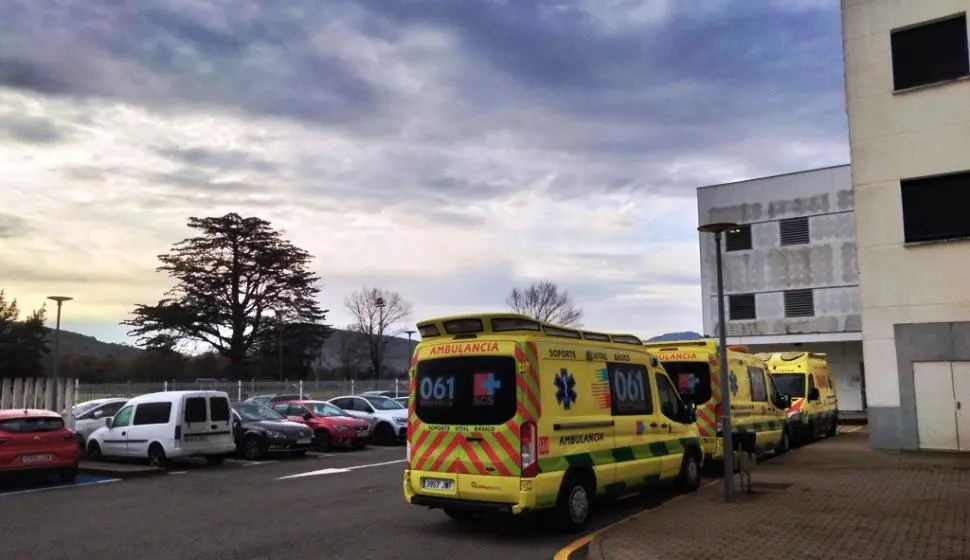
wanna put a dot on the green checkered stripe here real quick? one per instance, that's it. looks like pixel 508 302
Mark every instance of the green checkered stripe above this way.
pixel 616 455
pixel 824 415
pixel 771 426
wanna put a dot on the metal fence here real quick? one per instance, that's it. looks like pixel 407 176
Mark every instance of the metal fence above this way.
pixel 243 389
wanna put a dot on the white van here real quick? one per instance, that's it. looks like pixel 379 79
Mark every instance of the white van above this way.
pixel 168 425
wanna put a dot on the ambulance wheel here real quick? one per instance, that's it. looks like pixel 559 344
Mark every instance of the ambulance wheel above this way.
pixel 573 504
pixel 784 446
pixel 689 479
pixel 458 515
pixel 833 427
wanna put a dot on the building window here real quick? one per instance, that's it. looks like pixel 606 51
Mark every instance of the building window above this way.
pixel 799 303
pixel 794 231
pixel 739 240
pixel 935 208
pixel 930 53
pixel 741 307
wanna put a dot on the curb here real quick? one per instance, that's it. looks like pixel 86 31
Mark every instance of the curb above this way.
pixel 107 470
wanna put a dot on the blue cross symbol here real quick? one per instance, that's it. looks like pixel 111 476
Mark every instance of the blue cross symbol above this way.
pixel 733 383
pixel 492 384
pixel 565 395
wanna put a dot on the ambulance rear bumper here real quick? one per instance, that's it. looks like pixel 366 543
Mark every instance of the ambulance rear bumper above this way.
pixel 465 505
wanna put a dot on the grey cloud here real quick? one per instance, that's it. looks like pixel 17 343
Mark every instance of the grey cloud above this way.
pixel 12 226
pixel 218 159
pixel 17 272
pixel 31 130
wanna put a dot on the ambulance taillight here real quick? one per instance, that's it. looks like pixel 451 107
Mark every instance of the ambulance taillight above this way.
pixel 530 463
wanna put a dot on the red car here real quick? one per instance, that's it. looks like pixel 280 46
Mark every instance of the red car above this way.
pixel 331 426
pixel 37 441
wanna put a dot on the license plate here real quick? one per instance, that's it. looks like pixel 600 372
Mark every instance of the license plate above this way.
pixel 193 438
pixel 304 441
pixel 36 458
pixel 436 484
pixel 362 433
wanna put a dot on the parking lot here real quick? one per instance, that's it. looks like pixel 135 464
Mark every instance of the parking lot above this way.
pixel 333 505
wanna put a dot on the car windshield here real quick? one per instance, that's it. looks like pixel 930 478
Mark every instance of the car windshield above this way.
pixel 253 412
pixel 793 384
pixel 31 425
pixel 84 407
pixel 325 409
pixel 383 403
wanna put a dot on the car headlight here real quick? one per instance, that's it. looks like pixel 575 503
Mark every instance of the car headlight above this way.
pixel 276 435
pixel 341 428
pixel 401 421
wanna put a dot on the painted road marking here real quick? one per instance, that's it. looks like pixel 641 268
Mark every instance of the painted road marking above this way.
pixel 256 463
pixel 572 547
pixel 850 430
pixel 60 487
pixel 178 472
pixel 341 470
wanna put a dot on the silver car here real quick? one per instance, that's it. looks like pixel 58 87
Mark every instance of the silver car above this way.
pixel 89 416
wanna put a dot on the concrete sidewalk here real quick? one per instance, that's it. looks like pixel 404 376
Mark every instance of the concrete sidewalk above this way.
pixel 834 499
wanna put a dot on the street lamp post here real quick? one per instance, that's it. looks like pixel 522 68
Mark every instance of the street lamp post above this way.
pixel 279 344
pixel 410 348
pixel 719 229
pixel 380 304
pixel 56 359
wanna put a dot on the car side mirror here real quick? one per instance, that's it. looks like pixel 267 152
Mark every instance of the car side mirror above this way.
pixel 236 422
pixel 97 413
pixel 813 394
pixel 107 421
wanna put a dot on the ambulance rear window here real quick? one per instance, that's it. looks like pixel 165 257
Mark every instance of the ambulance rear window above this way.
pixel 793 384
pixel 467 390
pixel 693 380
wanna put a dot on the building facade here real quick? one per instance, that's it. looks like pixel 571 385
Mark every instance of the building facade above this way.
pixel 791 278
pixel 907 89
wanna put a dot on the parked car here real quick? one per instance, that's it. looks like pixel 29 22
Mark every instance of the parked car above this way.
pixel 403 401
pixel 388 394
pixel 168 425
pixel 259 431
pixel 331 425
pixel 90 415
pixel 280 397
pixel 390 418
pixel 37 441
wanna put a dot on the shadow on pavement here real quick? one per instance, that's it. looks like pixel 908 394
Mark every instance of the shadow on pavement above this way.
pixel 20 482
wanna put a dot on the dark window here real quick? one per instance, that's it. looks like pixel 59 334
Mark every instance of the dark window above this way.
pixel 295 410
pixel 112 408
pixel 799 303
pixel 930 53
pixel 428 330
pixel 794 231
pixel 759 391
pixel 565 333
pixel 459 326
pixel 479 390
pixel 935 208
pixel 741 307
pixel 792 384
pixel 219 409
pixel 195 409
pixel 670 404
pixel 739 240
pixel 153 413
pixel 693 380
pixel 361 405
pixel 510 324
pixel 31 425
pixel 630 388
pixel 344 403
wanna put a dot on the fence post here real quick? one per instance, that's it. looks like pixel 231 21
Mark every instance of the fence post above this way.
pixel 165 386
pixel 397 385
pixel 352 392
pixel 77 391
pixel 301 389
pixel 239 390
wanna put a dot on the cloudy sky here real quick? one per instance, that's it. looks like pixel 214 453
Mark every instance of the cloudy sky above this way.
pixel 447 150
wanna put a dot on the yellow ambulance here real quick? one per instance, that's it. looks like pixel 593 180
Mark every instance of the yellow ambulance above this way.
pixel 806 376
pixel 757 408
pixel 508 415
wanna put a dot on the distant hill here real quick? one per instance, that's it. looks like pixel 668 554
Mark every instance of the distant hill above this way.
pixel 74 344
pixel 686 335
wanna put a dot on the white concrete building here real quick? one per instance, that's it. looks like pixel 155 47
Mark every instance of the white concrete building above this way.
pixel 907 83
pixel 790 274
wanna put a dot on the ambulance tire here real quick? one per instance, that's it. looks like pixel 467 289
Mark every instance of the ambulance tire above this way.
pixel 689 479
pixel 574 502
pixel 833 427
pixel 784 446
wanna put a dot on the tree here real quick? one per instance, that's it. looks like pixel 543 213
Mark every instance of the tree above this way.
pixel 22 341
pixel 352 351
pixel 229 279
pixel 294 346
pixel 375 321
pixel 157 365
pixel 546 302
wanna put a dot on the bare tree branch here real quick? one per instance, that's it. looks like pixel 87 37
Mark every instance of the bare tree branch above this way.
pixel 377 323
pixel 544 301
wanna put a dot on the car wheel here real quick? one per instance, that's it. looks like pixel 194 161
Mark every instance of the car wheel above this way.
pixel 157 457
pixel 94 451
pixel 300 453
pixel 252 449
pixel 784 445
pixel 323 441
pixel 360 443
pixel 67 475
pixel 573 504
pixel 385 434
pixel 689 479
pixel 833 427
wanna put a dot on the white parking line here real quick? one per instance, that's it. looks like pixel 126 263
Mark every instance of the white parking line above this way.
pixel 61 487
pixel 850 430
pixel 340 470
pixel 254 463
pixel 177 472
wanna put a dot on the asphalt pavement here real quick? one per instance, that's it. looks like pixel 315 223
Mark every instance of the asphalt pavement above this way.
pixel 345 505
